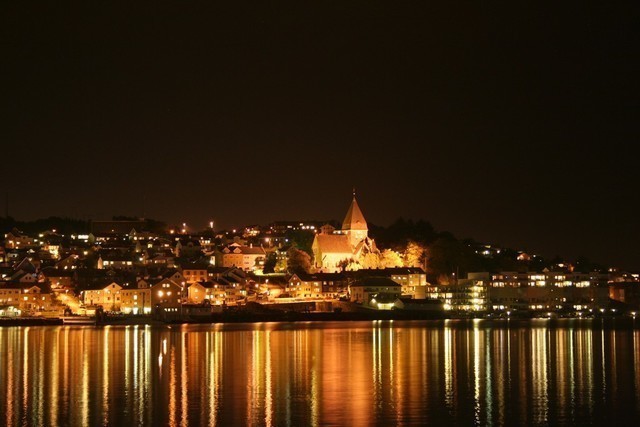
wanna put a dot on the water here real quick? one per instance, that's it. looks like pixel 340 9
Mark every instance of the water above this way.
pixel 540 372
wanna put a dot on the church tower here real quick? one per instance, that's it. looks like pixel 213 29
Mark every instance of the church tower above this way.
pixel 354 224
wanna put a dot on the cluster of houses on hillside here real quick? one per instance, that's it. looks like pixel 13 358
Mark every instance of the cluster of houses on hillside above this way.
pixel 119 267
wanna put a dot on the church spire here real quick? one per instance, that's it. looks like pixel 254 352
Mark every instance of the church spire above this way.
pixel 354 219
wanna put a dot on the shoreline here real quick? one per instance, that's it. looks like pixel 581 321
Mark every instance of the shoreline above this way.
pixel 286 317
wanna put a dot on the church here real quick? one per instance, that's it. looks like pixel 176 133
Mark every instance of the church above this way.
pixel 334 249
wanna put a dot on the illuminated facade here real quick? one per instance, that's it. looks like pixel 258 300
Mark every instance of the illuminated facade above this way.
pixel 108 296
pixel 214 292
pixel 465 295
pixel 17 240
pixel 412 279
pixel 10 295
pixel 531 292
pixel 36 299
pixel 166 293
pixel 248 258
pixel 319 285
pixel 193 273
pixel 375 292
pixel 27 298
pixel 330 251
pixel 548 290
pixel 136 300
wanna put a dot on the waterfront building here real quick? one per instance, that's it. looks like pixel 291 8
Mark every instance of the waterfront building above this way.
pixel 463 295
pixel 318 285
pixel 548 290
pixel 106 295
pixel 166 293
pixel 531 291
pixel 10 294
pixel 136 299
pixel 212 291
pixel 375 292
pixel 32 298
pixel 413 280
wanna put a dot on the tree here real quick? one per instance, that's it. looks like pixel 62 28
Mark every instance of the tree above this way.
pixel 585 265
pixel 270 263
pixel 298 261
pixel 369 260
pixel 302 239
pixel 390 259
pixel 414 255
pixel 447 256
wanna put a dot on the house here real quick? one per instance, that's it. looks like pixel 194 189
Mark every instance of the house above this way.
pixel 57 278
pixel 136 298
pixel 116 262
pixel 318 285
pixel 235 289
pixel 212 291
pixel 175 276
pixel 412 279
pixel 24 277
pixel 106 294
pixel 195 272
pixel 15 239
pixel 248 258
pixel 35 298
pixel 187 248
pixel 68 263
pixel 166 293
pixel 375 292
pixel 10 294
pixel 162 260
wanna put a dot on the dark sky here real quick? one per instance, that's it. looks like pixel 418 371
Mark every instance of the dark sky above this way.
pixel 509 123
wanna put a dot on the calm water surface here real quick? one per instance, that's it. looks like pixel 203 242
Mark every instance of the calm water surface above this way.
pixel 566 372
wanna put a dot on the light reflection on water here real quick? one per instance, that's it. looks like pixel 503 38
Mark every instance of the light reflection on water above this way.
pixel 357 374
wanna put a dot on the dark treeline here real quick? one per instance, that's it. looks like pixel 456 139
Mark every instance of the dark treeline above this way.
pixel 68 226
pixel 447 255
pixel 61 225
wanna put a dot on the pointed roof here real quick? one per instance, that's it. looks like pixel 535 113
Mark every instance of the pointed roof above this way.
pixel 354 219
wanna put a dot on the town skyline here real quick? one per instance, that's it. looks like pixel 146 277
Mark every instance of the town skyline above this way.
pixel 239 229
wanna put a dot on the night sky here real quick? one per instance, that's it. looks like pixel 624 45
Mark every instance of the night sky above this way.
pixel 508 123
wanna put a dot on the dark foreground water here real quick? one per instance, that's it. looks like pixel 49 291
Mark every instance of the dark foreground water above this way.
pixel 568 372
